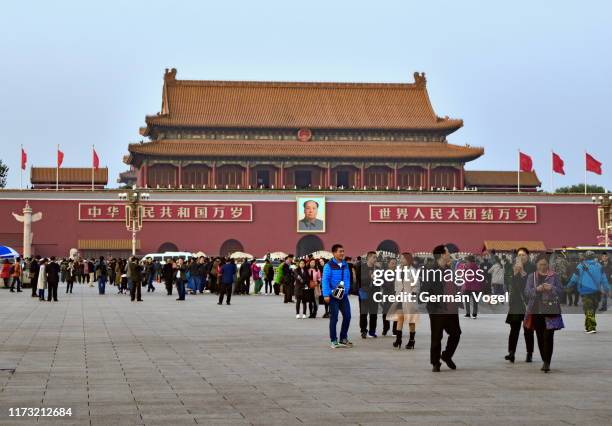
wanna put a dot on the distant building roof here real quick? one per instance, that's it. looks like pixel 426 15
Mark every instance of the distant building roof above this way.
pixel 500 245
pixel 128 177
pixel 312 150
pixel 500 179
pixel 68 175
pixel 260 104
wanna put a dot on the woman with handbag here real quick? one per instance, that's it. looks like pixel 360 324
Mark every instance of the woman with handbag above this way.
pixel 543 291
pixel 314 284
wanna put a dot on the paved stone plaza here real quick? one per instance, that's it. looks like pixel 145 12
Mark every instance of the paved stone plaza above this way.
pixel 164 362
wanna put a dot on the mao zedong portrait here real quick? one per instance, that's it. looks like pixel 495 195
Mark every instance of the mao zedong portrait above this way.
pixel 310 221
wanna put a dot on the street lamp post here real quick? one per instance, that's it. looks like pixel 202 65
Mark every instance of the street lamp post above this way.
pixel 604 215
pixel 134 212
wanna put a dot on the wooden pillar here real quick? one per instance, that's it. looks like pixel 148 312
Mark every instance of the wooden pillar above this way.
pixel 428 186
pixel 329 179
pixel 248 175
pixel 213 178
pixel 180 174
pixel 362 176
pixel 395 184
pixel 143 174
pixel 281 180
pixel 461 178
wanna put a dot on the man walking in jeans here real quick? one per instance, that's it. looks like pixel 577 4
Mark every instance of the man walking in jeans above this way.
pixel 336 274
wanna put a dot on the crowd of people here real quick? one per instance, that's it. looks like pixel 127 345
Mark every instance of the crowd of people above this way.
pixel 537 288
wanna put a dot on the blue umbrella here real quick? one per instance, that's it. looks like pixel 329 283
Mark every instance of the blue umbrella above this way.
pixel 7 253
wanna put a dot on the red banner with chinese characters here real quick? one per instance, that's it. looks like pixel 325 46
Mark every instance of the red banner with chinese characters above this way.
pixel 157 212
pixel 452 213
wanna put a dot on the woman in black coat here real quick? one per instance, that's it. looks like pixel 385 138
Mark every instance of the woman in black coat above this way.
pixel 516 313
pixel 301 279
pixel 167 273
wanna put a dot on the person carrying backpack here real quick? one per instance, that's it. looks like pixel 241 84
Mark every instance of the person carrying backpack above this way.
pixel 591 282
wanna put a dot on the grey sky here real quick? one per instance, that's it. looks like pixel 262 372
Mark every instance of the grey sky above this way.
pixel 534 75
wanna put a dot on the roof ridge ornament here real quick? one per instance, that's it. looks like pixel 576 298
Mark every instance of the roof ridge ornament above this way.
pixel 419 80
pixel 170 75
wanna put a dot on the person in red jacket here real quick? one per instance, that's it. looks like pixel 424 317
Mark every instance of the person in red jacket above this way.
pixel 5 272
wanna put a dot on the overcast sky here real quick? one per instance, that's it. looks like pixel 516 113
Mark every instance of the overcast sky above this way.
pixel 534 75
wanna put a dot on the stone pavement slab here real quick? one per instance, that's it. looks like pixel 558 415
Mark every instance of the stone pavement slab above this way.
pixel 165 362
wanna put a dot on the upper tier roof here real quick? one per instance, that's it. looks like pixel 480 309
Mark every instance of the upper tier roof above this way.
pixel 313 150
pixel 250 104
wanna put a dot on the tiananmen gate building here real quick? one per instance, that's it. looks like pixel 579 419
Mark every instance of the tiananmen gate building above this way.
pixel 297 167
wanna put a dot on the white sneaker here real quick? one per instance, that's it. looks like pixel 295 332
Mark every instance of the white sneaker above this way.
pixel 303 316
pixel 297 316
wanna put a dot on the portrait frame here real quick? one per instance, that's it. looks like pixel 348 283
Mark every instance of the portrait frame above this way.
pixel 320 218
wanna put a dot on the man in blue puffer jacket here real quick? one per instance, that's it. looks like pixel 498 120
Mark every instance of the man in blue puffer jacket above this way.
pixel 591 282
pixel 336 273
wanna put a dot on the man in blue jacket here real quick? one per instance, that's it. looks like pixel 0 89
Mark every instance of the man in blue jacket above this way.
pixel 591 281
pixel 228 273
pixel 336 274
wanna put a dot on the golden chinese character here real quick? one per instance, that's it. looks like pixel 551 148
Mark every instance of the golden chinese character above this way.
pixel 504 214
pixel 148 212
pixel 236 212
pixel 469 214
pixel 112 211
pixel 418 214
pixel 385 213
pixel 94 211
pixel 520 214
pixel 184 212
pixel 436 213
pixel 201 213
pixel 219 212
pixel 453 214
pixel 486 214
pixel 166 211
pixel 402 213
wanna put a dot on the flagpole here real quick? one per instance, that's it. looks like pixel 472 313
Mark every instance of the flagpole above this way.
pixel 585 171
pixel 518 173
pixel 57 169
pixel 93 149
pixel 551 172
pixel 21 171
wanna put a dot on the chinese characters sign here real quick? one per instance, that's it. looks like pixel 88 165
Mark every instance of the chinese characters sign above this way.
pixel 452 213
pixel 152 212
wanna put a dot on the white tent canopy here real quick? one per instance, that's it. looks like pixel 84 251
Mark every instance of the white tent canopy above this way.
pixel 277 255
pixel 241 255
pixel 321 254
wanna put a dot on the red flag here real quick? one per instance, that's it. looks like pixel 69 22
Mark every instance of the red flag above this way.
pixel 60 158
pixel 24 159
pixel 526 164
pixel 96 160
pixel 557 164
pixel 592 165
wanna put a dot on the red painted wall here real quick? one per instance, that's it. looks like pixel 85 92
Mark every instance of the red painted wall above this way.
pixel 274 228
